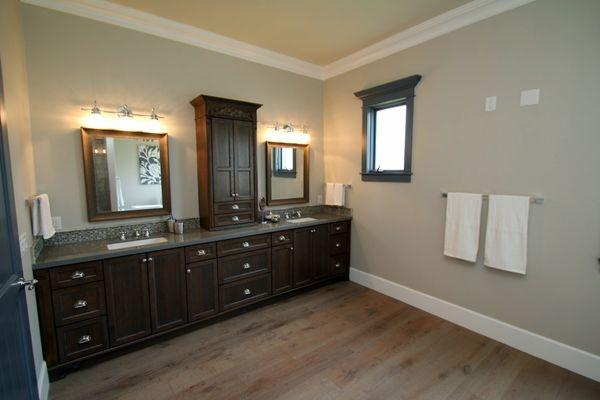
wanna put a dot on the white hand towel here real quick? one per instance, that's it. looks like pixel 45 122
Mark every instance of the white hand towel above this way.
pixel 463 218
pixel 41 217
pixel 506 234
pixel 335 194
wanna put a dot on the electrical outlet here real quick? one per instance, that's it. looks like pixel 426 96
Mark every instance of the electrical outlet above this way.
pixel 57 222
pixel 490 103
pixel 530 97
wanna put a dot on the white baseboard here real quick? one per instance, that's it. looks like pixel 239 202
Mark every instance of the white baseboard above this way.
pixel 571 358
pixel 43 382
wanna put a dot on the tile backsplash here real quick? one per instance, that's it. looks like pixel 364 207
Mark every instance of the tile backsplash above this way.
pixel 114 232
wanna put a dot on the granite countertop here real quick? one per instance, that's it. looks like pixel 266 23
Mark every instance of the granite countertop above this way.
pixel 54 256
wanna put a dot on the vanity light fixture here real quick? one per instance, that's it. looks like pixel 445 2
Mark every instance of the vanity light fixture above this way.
pixel 287 133
pixel 125 120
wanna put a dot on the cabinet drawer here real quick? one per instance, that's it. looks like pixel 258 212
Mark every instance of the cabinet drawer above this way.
pixel 338 227
pixel 284 237
pixel 234 219
pixel 200 252
pixel 244 265
pixel 338 264
pixel 244 292
pixel 338 244
pixel 233 207
pixel 77 274
pixel 78 303
pixel 83 338
pixel 235 246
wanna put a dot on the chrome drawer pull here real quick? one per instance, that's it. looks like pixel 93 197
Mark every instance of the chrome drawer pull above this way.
pixel 78 275
pixel 282 238
pixel 245 244
pixel 247 292
pixel 338 228
pixel 201 252
pixel 235 207
pixel 338 244
pixel 235 218
pixel 337 265
pixel 246 266
pixel 84 339
pixel 80 304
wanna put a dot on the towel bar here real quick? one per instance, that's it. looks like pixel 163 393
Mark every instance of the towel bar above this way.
pixel 533 200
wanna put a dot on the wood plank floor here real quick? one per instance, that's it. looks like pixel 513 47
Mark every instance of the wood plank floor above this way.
pixel 341 341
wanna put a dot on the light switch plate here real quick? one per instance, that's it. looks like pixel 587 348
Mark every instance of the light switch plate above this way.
pixel 490 103
pixel 57 223
pixel 530 97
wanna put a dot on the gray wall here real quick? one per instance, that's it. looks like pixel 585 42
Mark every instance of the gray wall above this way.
pixel 14 71
pixel 550 150
pixel 73 61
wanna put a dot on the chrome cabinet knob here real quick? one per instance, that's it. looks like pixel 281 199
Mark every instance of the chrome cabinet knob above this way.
pixel 245 244
pixel 189 271
pixel 337 265
pixel 201 252
pixel 291 248
pixel 247 292
pixel 246 266
pixel 235 218
pixel 80 304
pixel 313 230
pixel 338 228
pixel 78 275
pixel 150 259
pixel 84 339
pixel 144 260
pixel 338 244
pixel 282 238
pixel 235 207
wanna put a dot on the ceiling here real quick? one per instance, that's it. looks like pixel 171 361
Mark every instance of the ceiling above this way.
pixel 317 31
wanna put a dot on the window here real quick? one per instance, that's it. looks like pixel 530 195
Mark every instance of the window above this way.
pixel 387 130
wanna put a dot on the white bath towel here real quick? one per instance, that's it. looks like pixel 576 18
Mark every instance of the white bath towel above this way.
pixel 463 218
pixel 335 195
pixel 41 217
pixel 506 234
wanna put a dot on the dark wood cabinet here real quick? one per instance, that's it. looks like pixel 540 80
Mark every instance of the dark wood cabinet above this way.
pixel 127 298
pixel 167 284
pixel 302 272
pixel 320 252
pixel 311 255
pixel 226 154
pixel 282 263
pixel 202 290
pixel 92 308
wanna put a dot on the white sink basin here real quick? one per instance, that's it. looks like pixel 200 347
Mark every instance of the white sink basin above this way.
pixel 135 243
pixel 301 220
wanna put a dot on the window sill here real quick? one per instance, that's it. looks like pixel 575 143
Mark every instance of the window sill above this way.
pixel 386 176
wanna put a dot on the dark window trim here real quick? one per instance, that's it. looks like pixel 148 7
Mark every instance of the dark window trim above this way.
pixel 400 92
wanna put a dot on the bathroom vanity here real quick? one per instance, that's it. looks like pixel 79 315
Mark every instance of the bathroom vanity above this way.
pixel 92 300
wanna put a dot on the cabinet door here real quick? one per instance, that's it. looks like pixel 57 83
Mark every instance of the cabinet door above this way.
pixel 222 159
pixel 281 267
pixel 243 159
pixel 302 272
pixel 168 303
pixel 126 280
pixel 320 252
pixel 202 289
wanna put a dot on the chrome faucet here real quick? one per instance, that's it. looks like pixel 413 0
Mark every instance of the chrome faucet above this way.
pixel 146 232
pixel 298 214
pixel 122 236
pixel 137 234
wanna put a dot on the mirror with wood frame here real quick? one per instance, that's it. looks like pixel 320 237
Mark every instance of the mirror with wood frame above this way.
pixel 126 174
pixel 287 173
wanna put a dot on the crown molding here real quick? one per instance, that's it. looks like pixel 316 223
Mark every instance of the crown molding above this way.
pixel 130 18
pixel 447 22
